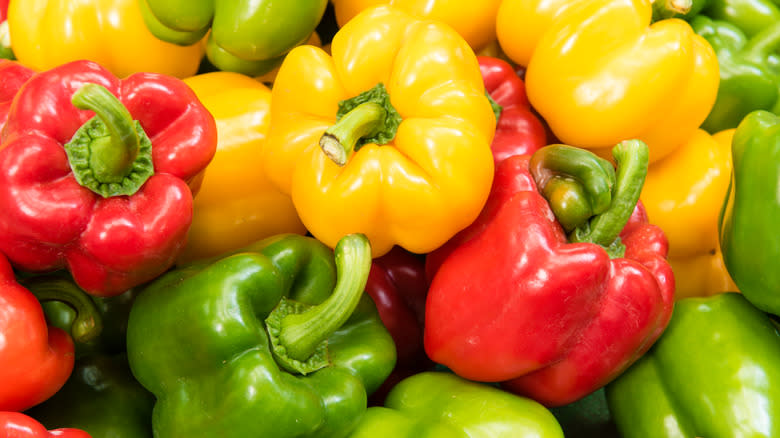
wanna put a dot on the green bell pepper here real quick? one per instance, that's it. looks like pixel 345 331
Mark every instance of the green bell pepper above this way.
pixel 715 372
pixel 751 211
pixel 277 340
pixel 751 16
pixel 249 37
pixel 437 404
pixel 749 78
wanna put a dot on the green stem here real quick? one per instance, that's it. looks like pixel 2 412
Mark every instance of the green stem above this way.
pixel 88 324
pixel 340 140
pixel 568 201
pixel 663 9
pixel 631 157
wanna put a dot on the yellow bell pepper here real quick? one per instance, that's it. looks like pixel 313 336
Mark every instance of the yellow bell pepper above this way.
pixel 416 185
pixel 683 194
pixel 237 204
pixel 47 33
pixel 601 73
pixel 474 21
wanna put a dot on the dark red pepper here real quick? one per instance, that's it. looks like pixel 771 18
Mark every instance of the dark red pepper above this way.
pixel 78 190
pixel 18 425
pixel 12 76
pixel 516 302
pixel 519 131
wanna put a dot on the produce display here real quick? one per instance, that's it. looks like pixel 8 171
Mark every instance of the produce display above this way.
pixel 389 218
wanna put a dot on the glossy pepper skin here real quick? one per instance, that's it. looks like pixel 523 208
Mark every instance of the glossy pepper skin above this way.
pixel 751 210
pixel 438 404
pixel 109 32
pixel 18 425
pixel 90 220
pixel 750 16
pixel 424 174
pixel 249 37
pixel 12 76
pixel 237 204
pixel 549 319
pixel 474 21
pixel 749 73
pixel 37 358
pixel 713 373
pixel 519 131
pixel 668 74
pixel 233 306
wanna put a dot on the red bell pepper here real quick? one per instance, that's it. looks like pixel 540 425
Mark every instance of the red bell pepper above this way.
pixel 397 283
pixel 12 76
pixel 18 425
pixel 516 302
pixel 519 131
pixel 85 186
pixel 37 359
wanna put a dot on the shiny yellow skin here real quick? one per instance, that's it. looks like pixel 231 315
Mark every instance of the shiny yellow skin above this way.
pixel 475 21
pixel 425 185
pixel 683 194
pixel 237 204
pixel 47 33
pixel 601 73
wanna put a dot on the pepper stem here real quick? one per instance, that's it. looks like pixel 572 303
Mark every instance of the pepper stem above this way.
pixel 88 324
pixel 340 140
pixel 631 157
pixel 110 154
pixel 298 332
pixel 663 9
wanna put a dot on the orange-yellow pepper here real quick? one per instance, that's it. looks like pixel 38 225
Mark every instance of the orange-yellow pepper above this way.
pixel 416 189
pixel 683 194
pixel 601 73
pixel 47 33
pixel 237 204
pixel 474 21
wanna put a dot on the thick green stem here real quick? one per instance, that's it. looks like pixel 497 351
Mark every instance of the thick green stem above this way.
pixel 110 154
pixel 299 333
pixel 631 157
pixel 88 324
pixel 568 201
pixel 663 9
pixel 339 141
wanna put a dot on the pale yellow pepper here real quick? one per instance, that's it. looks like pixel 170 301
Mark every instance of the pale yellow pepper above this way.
pixel 47 33
pixel 237 204
pixel 475 21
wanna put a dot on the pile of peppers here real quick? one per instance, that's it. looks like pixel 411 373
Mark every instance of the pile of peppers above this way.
pixel 389 218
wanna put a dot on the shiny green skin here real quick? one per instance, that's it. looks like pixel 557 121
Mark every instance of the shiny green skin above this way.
pixel 442 405
pixel 102 398
pixel 751 211
pixel 751 16
pixel 197 340
pixel 749 78
pixel 715 373
pixel 247 36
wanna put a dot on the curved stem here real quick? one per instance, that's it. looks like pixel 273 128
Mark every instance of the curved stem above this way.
pixel 568 201
pixel 663 9
pixel 88 324
pixel 340 140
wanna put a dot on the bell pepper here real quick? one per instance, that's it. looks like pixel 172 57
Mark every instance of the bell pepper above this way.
pixel 551 317
pixel 85 186
pixel 439 404
pixel 237 204
pixel 750 16
pixel 601 73
pixel 283 330
pixel 37 358
pixel 474 21
pixel 751 211
pixel 518 131
pixel 398 285
pixel 18 425
pixel 109 32
pixel 712 374
pixel 389 137
pixel 12 76
pixel 749 79
pixel 245 36
pixel 587 418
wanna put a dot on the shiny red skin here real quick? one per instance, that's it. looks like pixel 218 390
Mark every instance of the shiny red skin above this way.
pixel 519 131
pixel 36 359
pixel 12 76
pixel 48 221
pixel 18 425
pixel 515 303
